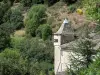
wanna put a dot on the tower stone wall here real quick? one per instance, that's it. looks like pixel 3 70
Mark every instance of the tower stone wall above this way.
pixel 61 57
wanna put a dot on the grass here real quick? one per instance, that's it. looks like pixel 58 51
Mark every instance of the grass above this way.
pixel 20 33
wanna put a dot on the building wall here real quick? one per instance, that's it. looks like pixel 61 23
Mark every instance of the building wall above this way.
pixel 65 60
pixel 61 58
pixel 57 51
pixel 57 62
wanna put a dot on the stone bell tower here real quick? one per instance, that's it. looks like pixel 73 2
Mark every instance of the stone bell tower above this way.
pixel 64 35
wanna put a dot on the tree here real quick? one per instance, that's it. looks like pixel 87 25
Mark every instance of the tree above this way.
pixel 11 63
pixel 82 56
pixel 4 36
pixel 3 8
pixel 93 69
pixel 37 50
pixel 35 17
pixel 14 17
pixel 26 2
pixel 9 1
pixel 41 68
pixel 44 32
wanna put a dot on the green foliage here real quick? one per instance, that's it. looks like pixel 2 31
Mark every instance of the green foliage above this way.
pixel 94 68
pixel 16 41
pixel 3 8
pixel 97 29
pixel 82 56
pixel 15 18
pixel 35 17
pixel 26 2
pixel 4 36
pixel 92 9
pixel 38 53
pixel 44 31
pixel 72 8
pixel 85 48
pixel 32 2
pixel 9 1
pixel 11 63
pixel 37 50
pixel 42 68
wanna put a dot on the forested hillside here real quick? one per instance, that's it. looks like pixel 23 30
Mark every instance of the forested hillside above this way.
pixel 26 31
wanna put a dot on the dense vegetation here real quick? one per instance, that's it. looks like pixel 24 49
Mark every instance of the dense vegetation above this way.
pixel 32 54
pixel 28 55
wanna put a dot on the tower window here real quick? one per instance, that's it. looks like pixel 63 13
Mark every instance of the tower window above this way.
pixel 55 40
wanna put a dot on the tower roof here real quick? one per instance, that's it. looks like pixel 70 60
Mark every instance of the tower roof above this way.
pixel 65 21
pixel 65 28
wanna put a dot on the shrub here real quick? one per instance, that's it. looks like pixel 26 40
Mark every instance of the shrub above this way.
pixel 37 50
pixel 3 8
pixel 16 41
pixel 11 63
pixel 44 31
pixel 4 36
pixel 26 2
pixel 93 69
pixel 9 1
pixel 35 17
pixel 41 68
pixel 92 9
pixel 81 56
pixel 15 18
pixel 72 8
pixel 97 29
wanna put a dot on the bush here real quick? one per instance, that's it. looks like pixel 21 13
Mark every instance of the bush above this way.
pixel 72 8
pixel 26 2
pixel 4 36
pixel 35 17
pixel 81 56
pixel 9 1
pixel 11 63
pixel 16 41
pixel 92 9
pixel 3 8
pixel 41 68
pixel 37 50
pixel 97 29
pixel 39 54
pixel 44 32
pixel 94 68
pixel 15 18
